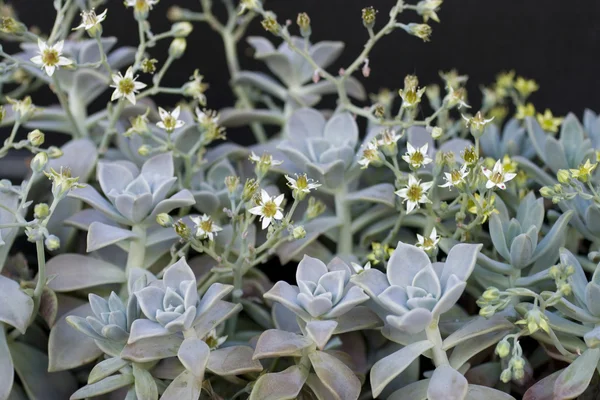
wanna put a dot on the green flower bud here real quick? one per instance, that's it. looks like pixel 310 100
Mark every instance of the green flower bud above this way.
pixel 506 375
pixel 546 192
pixel 368 17
pixel 39 162
pixel 2 114
pixel 299 232
pixel 36 137
pixel 182 29
pixel 503 348
pixel 491 294
pixel 437 132
pixel 422 31
pixel 303 22
pixel 41 210
pixel 232 182
pixel 487 311
pixel 177 47
pixel 52 243
pixel 144 150
pixel 270 24
pixel 563 176
pixel 250 188
pixel 164 220
pixel 182 230
pixel 54 152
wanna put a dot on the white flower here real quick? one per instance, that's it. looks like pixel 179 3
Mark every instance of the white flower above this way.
pixel 205 227
pixel 428 243
pixel 456 177
pixel 358 268
pixel 370 155
pixel 50 58
pixel 414 193
pixel 389 137
pixel 302 183
pixel 266 160
pixel 268 209
pixel 478 122
pixel 213 341
pixel 126 86
pixel 416 157
pixel 206 118
pixel 169 119
pixel 89 19
pixel 497 177
pixel 141 6
pixel 249 5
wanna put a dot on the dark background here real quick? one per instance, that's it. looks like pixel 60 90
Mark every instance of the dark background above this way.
pixel 555 42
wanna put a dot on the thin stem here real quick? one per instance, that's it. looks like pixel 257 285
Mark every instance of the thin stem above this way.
pixel 79 129
pixel 41 282
pixel 342 210
pixel 137 251
pixel 110 129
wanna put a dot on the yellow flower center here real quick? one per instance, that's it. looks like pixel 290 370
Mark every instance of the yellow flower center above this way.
pixel 456 176
pixel 414 193
pixel 141 6
pixel 302 182
pixel 417 158
pixel 126 86
pixel 497 177
pixel 269 209
pixel 207 225
pixel 428 243
pixel 50 57
pixel 170 123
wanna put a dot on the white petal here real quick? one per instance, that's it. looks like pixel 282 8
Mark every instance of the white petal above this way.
pixel 50 69
pixel 509 176
pixel 266 222
pixel 486 172
pixel 490 184
pixel 59 46
pixel 279 199
pixel 62 61
pixel 37 60
pixel 501 186
pixel 256 210
pixel 42 45
pixel 116 95
pixel 175 113
pixel 410 205
pixel 161 125
pixel 163 113
pixel 278 215
pixel 139 85
pixel 264 196
pixel 179 124
pixel 131 98
pixel 426 185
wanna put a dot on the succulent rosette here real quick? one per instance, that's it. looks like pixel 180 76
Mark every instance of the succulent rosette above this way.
pixel 413 291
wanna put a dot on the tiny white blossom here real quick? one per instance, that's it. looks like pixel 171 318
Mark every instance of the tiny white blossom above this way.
pixel 389 138
pixel 416 157
pixel 206 118
pixel 126 86
pixel 370 155
pixel 213 341
pixel 415 193
pixel 428 243
pixel 358 268
pixel 205 227
pixel 302 183
pixel 269 208
pixel 265 160
pixel 497 176
pixel 90 20
pixel 169 120
pixel 141 6
pixel 50 57
pixel 455 177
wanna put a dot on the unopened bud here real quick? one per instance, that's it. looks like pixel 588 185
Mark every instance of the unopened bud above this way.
pixel 144 150
pixel 487 311
pixel 182 29
pixel 177 47
pixel 491 294
pixel 303 22
pixel 54 152
pixel 503 348
pixel 41 210
pixel 232 182
pixel 563 176
pixel 437 132
pixel 164 220
pixel 39 162
pixel 36 138
pixel 299 232
pixel 250 188
pixel 182 230
pixel 270 24
pixel 52 243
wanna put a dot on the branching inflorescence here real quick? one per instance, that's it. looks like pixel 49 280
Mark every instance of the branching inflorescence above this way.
pixel 428 250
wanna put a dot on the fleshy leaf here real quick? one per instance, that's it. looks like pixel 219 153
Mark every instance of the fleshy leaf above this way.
pixel 280 385
pixel 447 384
pixel 320 331
pixel 106 385
pixel 233 360
pixel 105 369
pixel 576 377
pixel 388 368
pixel 276 343
pixel 76 271
pixel 101 235
pixel 185 386
pixel 16 305
pixel 145 386
pixel 6 367
pixel 335 375
pixel 194 354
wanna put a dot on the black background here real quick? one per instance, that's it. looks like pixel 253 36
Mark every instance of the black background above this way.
pixel 555 42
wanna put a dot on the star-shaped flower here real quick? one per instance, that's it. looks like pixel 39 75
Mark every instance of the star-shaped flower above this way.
pixel 269 208
pixel 50 57
pixel 497 176
pixel 205 227
pixel 90 20
pixel 416 157
pixel 428 243
pixel 414 194
pixel 169 120
pixel 456 177
pixel 126 86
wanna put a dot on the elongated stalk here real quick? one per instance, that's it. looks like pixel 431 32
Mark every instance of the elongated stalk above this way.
pixel 433 334
pixel 342 209
pixel 137 252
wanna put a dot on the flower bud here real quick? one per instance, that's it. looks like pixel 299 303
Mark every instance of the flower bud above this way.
pixel 23 109
pixel 54 152
pixel 39 162
pixel 177 47
pixel 503 348
pixel 2 114
pixel 491 294
pixel 52 243
pixel 487 311
pixel 36 138
pixel 315 208
pixel 546 192
pixel 144 150
pixel 232 182
pixel 270 24
pixel 11 26
pixel 506 375
pixel 182 29
pixel 563 176
pixel 368 17
pixel 299 232
pixel 303 22
pixel 149 65
pixel 182 230
pixel 164 220
pixel 422 31
pixel 250 188
pixel 41 210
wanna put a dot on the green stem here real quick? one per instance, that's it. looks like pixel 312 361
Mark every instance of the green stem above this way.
pixel 41 282
pixel 137 249
pixel 110 129
pixel 79 129
pixel 433 334
pixel 342 210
